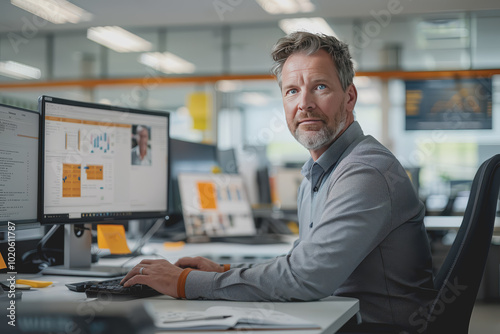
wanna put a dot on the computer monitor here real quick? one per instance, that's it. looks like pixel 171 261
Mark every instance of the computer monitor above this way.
pixel 286 186
pixel 187 157
pixel 18 167
pixel 227 161
pixel 100 163
pixel 215 205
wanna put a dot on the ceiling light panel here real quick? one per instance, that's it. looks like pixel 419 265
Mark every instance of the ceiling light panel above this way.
pixel 17 70
pixel 167 62
pixel 118 39
pixel 55 11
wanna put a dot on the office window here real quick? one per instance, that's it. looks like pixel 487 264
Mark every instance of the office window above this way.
pixel 428 42
pixel 487 45
pixel 75 56
pixel 201 47
pixel 250 48
pixel 127 64
pixel 442 41
pixel 380 46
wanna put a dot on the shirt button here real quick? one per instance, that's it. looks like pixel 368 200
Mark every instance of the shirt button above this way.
pixel 311 225
pixel 315 189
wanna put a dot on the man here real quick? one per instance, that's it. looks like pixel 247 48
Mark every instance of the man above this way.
pixel 141 155
pixel 361 230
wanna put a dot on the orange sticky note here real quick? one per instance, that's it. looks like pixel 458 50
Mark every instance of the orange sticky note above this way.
pixel 112 237
pixel 2 262
pixel 206 192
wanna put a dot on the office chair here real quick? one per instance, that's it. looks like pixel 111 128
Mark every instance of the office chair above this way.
pixel 459 277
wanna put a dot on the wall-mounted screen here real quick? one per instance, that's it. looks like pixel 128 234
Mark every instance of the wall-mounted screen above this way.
pixel 459 104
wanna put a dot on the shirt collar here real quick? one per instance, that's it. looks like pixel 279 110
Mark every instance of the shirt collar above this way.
pixel 334 152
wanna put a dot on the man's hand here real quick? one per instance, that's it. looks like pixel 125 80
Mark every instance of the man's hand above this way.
pixel 161 275
pixel 199 263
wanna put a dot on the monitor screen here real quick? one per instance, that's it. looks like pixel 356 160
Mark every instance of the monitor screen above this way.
pixel 188 157
pixel 451 104
pixel 215 205
pixel 18 165
pixel 227 161
pixel 101 162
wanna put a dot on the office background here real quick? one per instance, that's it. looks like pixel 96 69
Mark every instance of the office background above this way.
pixel 391 41
pixel 225 45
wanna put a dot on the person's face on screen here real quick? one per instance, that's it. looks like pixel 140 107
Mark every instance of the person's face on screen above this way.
pixel 143 140
pixel 316 107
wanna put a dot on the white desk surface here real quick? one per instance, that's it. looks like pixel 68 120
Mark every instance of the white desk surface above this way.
pixel 329 314
pixel 450 223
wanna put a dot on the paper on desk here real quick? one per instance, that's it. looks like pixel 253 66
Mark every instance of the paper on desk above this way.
pixel 241 318
pixel 214 324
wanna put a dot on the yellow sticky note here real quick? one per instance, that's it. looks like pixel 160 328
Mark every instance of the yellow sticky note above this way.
pixel 112 237
pixel 33 283
pixel 174 245
pixel 199 105
pixel 2 262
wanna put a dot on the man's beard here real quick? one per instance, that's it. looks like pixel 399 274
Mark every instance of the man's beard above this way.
pixel 313 140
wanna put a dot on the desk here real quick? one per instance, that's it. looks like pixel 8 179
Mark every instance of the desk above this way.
pixel 451 223
pixel 330 313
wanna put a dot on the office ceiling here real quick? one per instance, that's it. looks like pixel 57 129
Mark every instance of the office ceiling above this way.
pixel 168 13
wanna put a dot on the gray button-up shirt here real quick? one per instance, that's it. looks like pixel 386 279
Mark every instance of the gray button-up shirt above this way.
pixel 361 235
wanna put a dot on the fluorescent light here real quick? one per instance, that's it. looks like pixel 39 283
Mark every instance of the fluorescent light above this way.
pixel 118 39
pixel 286 6
pixel 19 71
pixel 55 11
pixel 166 62
pixel 316 25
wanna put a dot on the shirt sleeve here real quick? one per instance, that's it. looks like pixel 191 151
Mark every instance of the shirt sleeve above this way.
pixel 355 219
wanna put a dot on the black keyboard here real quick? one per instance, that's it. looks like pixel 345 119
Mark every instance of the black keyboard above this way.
pixel 112 290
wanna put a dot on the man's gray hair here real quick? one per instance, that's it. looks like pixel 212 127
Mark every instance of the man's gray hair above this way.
pixel 310 43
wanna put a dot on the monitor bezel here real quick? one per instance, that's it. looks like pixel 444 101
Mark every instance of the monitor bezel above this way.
pixel 43 219
pixel 3 223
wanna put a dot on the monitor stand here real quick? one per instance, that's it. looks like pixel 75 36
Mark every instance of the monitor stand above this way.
pixel 77 255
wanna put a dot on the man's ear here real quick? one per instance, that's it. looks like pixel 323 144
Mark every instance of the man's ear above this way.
pixel 352 97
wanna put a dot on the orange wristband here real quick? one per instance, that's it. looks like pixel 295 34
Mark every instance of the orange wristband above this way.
pixel 226 267
pixel 181 283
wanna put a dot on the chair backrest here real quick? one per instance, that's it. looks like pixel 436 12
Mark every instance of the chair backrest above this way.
pixel 459 277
